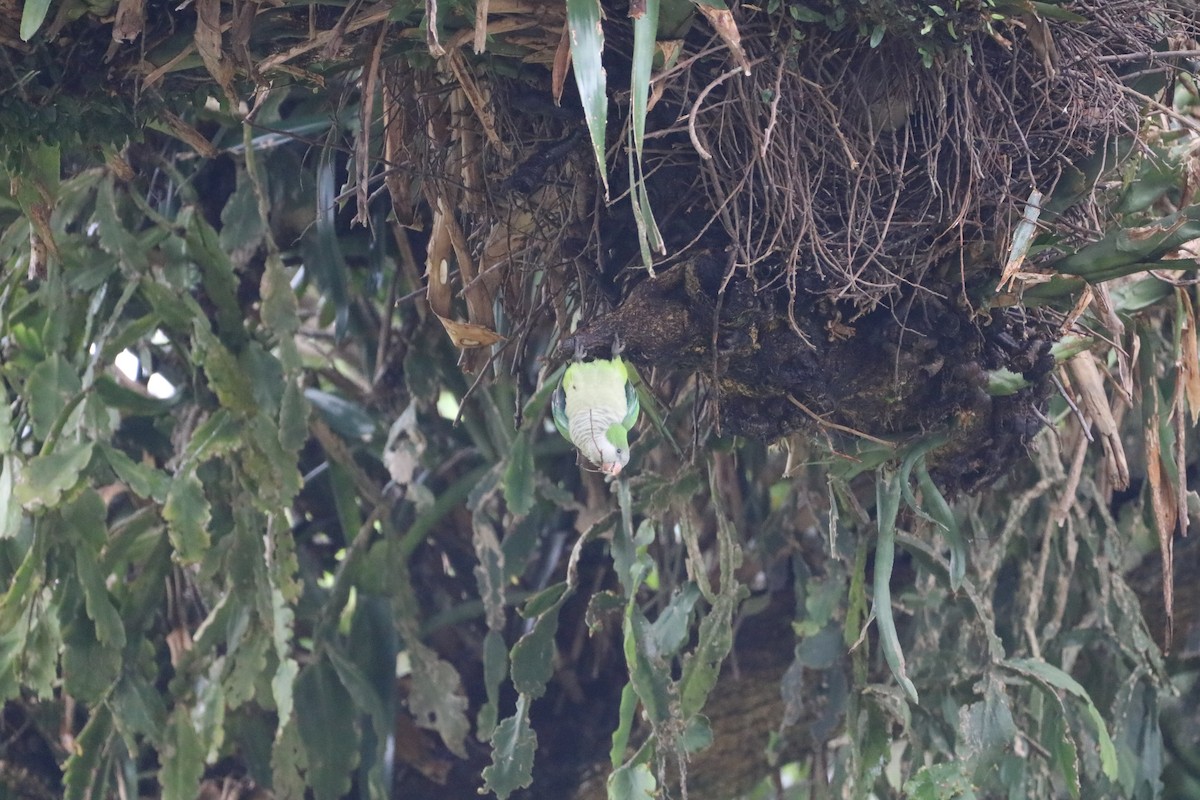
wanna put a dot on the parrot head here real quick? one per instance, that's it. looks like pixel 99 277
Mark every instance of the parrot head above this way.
pixel 613 450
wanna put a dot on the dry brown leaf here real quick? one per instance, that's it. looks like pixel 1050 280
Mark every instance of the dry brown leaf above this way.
pixel 431 35
pixel 186 133
pixel 437 266
pixel 1189 355
pixel 239 37
pixel 446 238
pixel 1042 41
pixel 130 20
pixel 1107 314
pixel 1191 178
pixel 367 17
pixel 479 293
pixel 468 335
pixel 362 143
pixel 726 28
pixel 478 100
pixel 1157 229
pixel 562 62
pixel 1166 512
pixel 208 45
pixel 1180 458
pixel 1081 305
pixel 1085 377
pixel 481 21
pixel 418 749
pixel 398 130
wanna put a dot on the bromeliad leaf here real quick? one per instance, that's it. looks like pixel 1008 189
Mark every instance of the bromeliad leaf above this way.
pixel 32 17
pixel 587 46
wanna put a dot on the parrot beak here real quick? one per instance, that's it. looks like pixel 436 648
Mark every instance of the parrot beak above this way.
pixel 613 469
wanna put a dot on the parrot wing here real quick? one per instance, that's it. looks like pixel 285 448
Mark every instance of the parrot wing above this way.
pixel 633 407
pixel 558 407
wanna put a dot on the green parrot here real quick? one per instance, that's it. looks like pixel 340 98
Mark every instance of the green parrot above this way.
pixel 595 407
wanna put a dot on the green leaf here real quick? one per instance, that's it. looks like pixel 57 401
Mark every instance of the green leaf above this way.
pixel 208 712
pixel 702 666
pixel 518 475
pixel 670 630
pixel 645 31
pixel 246 667
pixel 89 668
pixel 324 713
pixel 114 234
pixel 226 376
pixel 10 511
pixel 142 479
pixel 138 710
pixel 942 782
pixel 321 248
pixel 649 676
pixel 887 504
pixel 19 595
pixel 533 654
pixel 1056 738
pixel 293 418
pixel 436 699
pixel 109 629
pixel 40 655
pixel 367 700
pixel 632 782
pixel 6 423
pixel 802 13
pixel 359 687
pixel 544 600
pixel 620 737
pixel 218 278
pixel 986 728
pixel 513 746
pixel 216 436
pixel 587 45
pixel 242 229
pixel 279 305
pixel 182 758
pixel 52 385
pixel 495 669
pixel 489 573
pixel 347 419
pixel 46 477
pixel 289 761
pixel 941 512
pixel 1049 675
pixel 32 17
pixel 84 774
pixel 187 513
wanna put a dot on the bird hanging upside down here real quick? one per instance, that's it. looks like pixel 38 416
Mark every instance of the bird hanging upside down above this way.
pixel 595 407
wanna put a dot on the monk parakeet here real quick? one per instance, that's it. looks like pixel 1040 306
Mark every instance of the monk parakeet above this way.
pixel 595 407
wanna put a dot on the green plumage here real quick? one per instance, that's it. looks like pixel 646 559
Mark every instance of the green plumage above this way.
pixel 595 407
